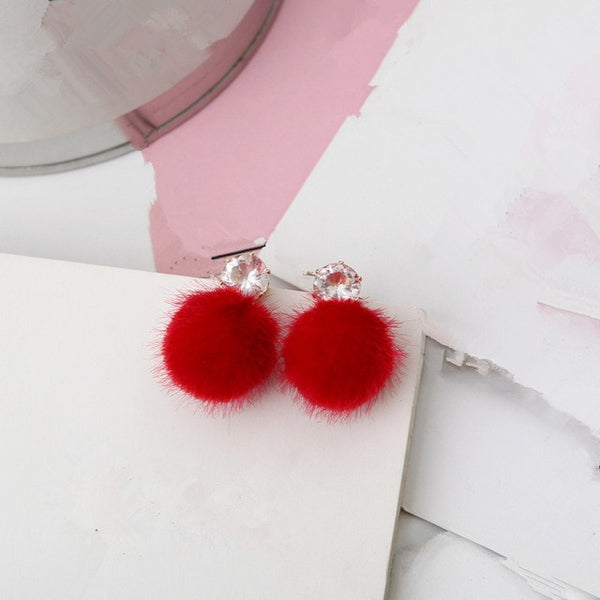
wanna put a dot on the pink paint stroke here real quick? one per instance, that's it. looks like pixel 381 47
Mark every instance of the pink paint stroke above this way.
pixel 550 229
pixel 556 243
pixel 573 322
pixel 226 176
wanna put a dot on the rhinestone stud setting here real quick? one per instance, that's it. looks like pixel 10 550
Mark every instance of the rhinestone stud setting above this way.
pixel 337 281
pixel 247 273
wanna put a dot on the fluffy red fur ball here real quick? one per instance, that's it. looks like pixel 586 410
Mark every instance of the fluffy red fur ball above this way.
pixel 339 355
pixel 220 345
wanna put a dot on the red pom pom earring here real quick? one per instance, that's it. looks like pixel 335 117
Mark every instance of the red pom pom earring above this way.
pixel 340 355
pixel 220 345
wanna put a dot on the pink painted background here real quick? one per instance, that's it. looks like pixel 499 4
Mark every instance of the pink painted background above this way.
pixel 225 178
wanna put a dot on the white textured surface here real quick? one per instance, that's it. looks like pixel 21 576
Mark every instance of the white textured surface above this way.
pixel 99 214
pixel 432 564
pixel 112 488
pixel 493 462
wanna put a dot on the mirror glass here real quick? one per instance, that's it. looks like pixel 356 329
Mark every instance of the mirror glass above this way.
pixel 86 80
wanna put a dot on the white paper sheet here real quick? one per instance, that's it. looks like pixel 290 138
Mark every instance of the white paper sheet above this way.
pixel 495 463
pixel 114 488
pixel 433 564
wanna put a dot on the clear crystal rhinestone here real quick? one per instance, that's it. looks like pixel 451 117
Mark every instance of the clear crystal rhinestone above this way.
pixel 247 273
pixel 337 281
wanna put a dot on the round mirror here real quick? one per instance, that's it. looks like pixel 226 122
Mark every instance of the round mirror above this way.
pixel 87 80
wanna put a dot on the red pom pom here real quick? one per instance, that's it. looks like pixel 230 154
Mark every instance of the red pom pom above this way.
pixel 220 345
pixel 340 355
